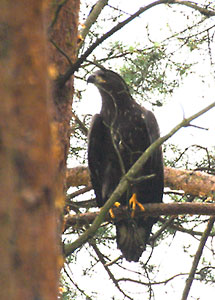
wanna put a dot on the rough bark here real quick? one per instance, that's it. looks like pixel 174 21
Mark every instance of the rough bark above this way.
pixel 77 176
pixel 63 31
pixel 28 234
pixel 191 182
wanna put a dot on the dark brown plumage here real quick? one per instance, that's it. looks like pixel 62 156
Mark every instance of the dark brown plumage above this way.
pixel 118 136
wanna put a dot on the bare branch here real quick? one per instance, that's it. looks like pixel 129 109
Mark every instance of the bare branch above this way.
pixel 61 51
pixel 194 183
pixel 73 282
pixel 178 227
pixel 165 225
pixel 197 257
pixel 151 209
pixel 110 274
pixel 81 124
pixel 77 176
pixel 205 11
pixel 95 12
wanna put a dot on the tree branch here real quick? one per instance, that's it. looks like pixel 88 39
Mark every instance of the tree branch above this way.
pixel 123 184
pixel 151 209
pixel 77 176
pixel 194 183
pixel 205 11
pixel 110 274
pixel 178 227
pixel 197 257
pixel 95 12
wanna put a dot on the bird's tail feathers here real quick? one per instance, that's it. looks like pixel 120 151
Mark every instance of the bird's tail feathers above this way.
pixel 132 238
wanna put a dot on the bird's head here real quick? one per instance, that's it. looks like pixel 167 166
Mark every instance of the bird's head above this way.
pixel 108 81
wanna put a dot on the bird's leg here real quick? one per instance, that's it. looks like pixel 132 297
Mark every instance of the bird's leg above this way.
pixel 116 204
pixel 133 203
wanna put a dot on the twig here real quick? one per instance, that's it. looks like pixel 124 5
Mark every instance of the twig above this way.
pixel 152 282
pixel 197 257
pixel 75 284
pixel 206 12
pixel 82 126
pixel 112 262
pixel 78 193
pixel 197 146
pixel 198 127
pixel 163 227
pixel 110 274
pixel 182 229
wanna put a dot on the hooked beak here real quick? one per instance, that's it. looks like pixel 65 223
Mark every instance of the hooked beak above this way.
pixel 96 79
pixel 91 79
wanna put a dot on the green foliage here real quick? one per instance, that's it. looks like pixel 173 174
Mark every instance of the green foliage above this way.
pixel 146 72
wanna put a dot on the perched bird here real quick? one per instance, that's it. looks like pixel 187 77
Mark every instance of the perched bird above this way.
pixel 118 136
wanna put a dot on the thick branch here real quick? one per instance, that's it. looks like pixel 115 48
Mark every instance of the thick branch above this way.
pixel 77 176
pixel 195 183
pixel 154 210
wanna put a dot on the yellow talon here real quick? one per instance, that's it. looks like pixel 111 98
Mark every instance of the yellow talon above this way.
pixel 117 204
pixel 133 203
pixel 111 213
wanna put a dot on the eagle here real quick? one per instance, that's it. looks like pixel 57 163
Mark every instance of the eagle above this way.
pixel 118 136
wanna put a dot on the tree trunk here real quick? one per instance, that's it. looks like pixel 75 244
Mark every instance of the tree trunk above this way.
pixel 63 35
pixel 32 153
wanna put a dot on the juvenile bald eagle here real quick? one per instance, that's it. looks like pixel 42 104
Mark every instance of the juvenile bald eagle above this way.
pixel 118 136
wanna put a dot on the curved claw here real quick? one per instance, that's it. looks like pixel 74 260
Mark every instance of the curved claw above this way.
pixel 117 204
pixel 133 203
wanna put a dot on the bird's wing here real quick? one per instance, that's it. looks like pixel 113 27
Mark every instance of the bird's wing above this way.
pixel 151 125
pixel 152 133
pixel 96 155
